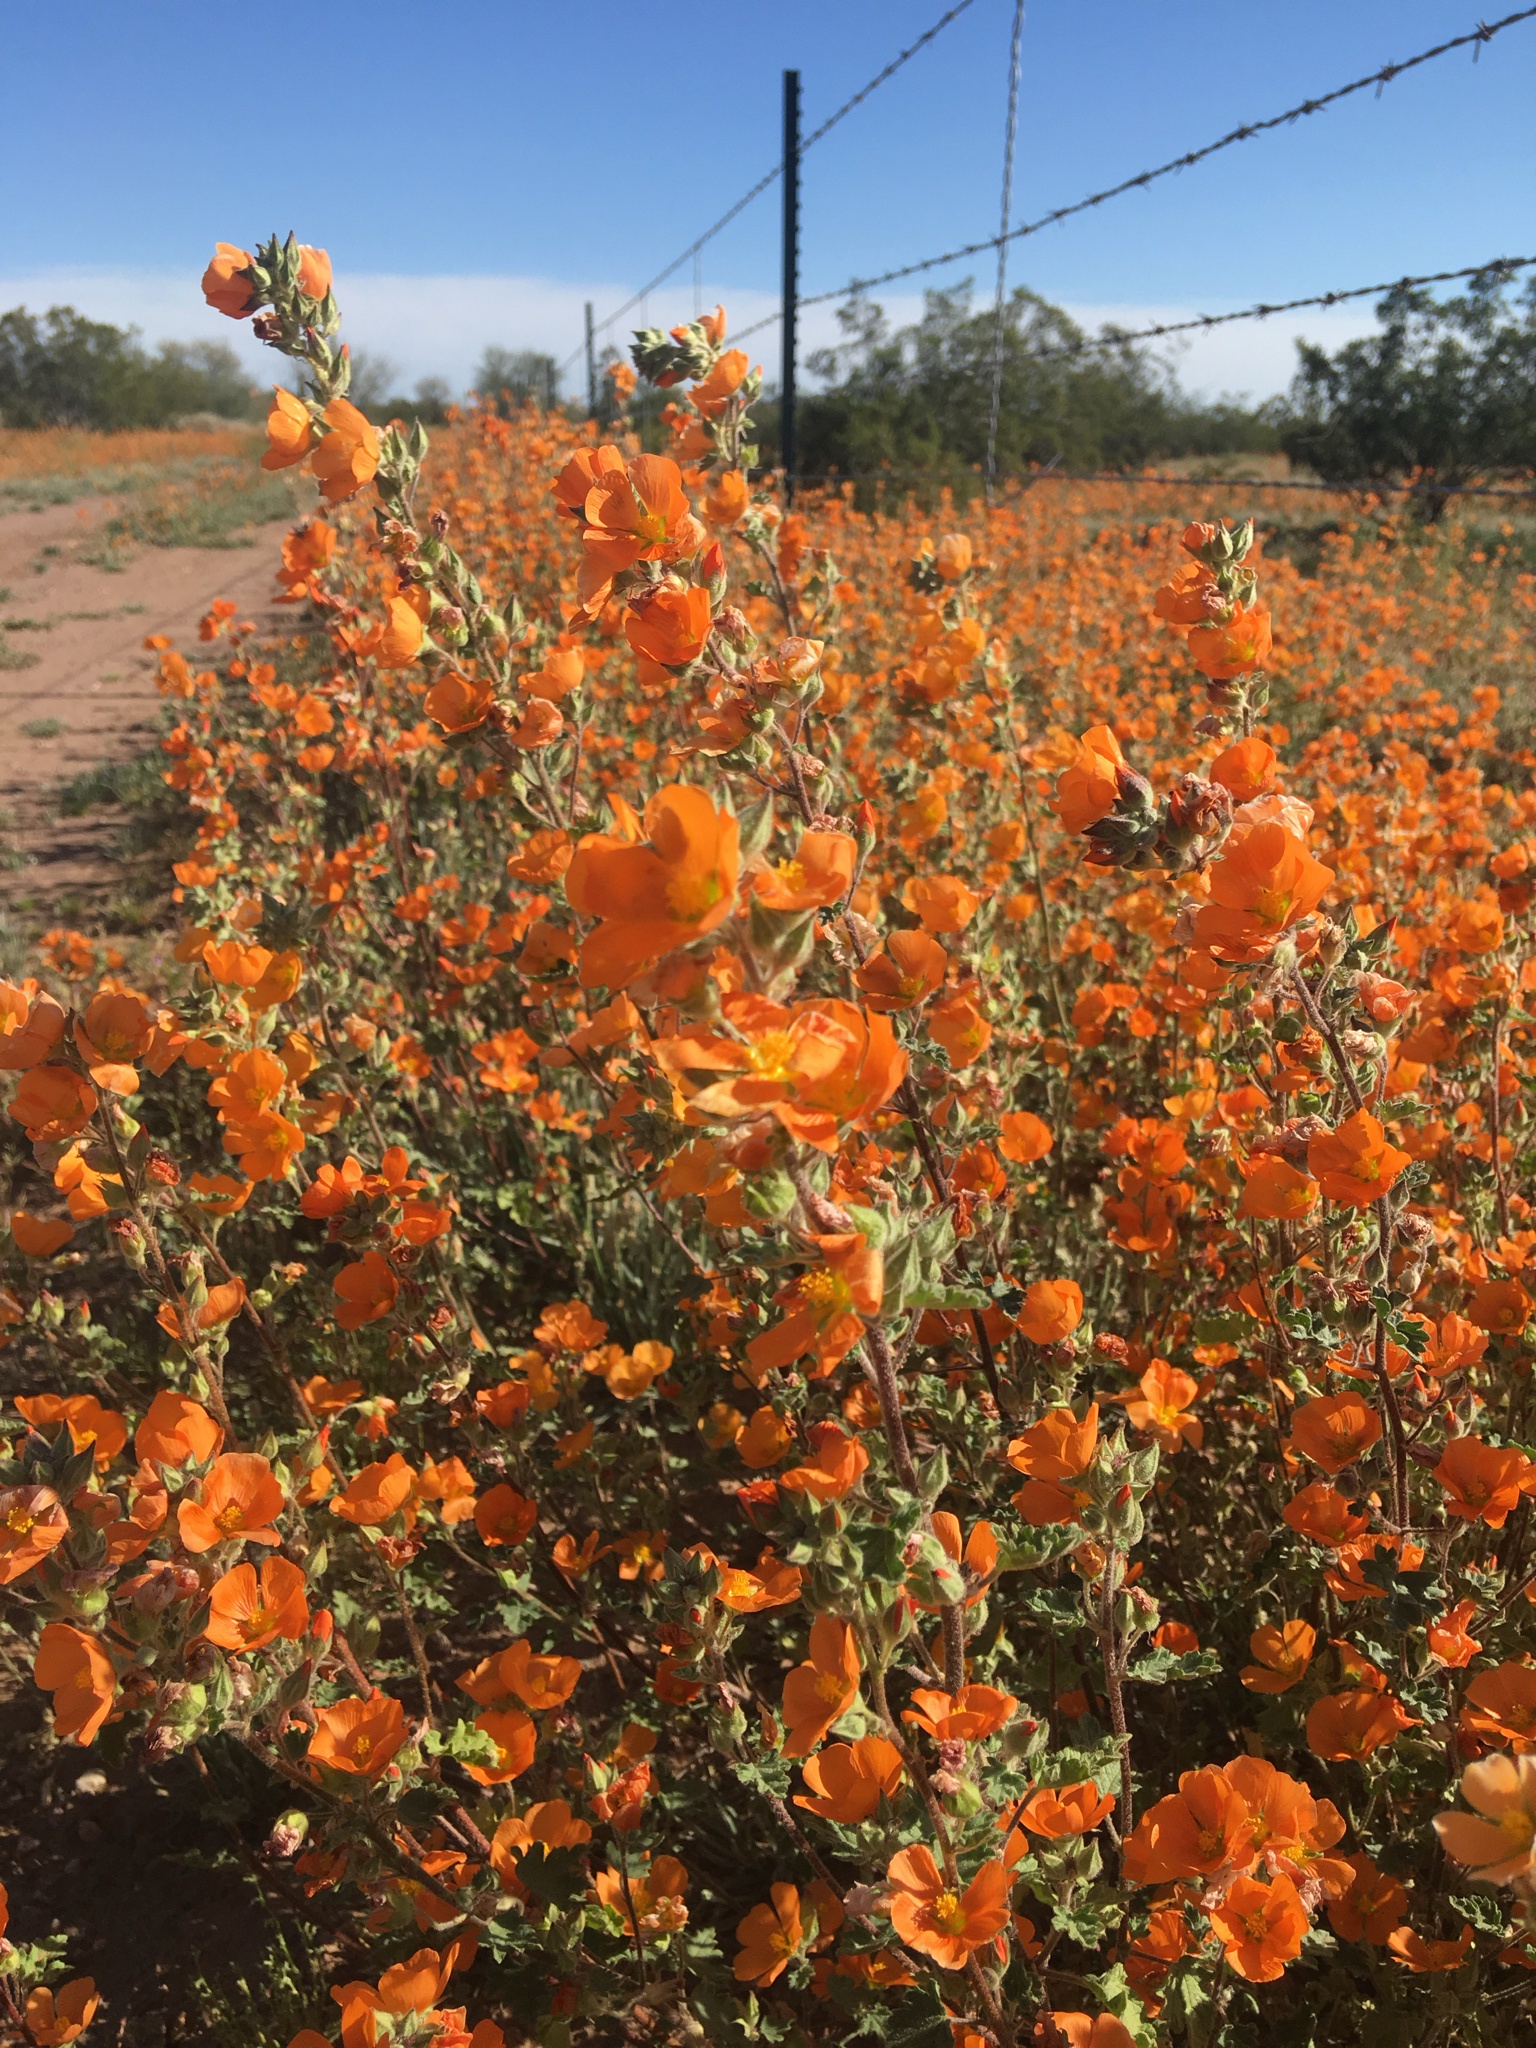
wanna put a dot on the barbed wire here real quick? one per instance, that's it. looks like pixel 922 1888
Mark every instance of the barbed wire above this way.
pixel 1369 486
pixel 896 63
pixel 1113 338
pixel 1483 33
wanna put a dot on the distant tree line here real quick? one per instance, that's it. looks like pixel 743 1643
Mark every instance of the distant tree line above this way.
pixel 59 369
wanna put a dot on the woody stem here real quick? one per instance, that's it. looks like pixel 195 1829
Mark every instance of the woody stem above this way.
pixel 1114 1654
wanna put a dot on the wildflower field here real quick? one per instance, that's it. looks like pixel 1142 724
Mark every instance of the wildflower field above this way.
pixel 804 1317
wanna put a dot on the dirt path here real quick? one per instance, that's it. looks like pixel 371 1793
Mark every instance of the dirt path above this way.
pixel 90 695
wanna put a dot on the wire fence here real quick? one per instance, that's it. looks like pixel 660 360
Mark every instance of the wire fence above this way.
pixel 1376 487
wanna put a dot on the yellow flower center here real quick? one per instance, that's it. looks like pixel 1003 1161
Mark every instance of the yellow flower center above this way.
pixel 771 1056
pixel 362 1748
pixel 830 1685
pixel 228 1519
pixel 19 1522
pixel 1272 906
pixel 1254 1925
pixel 259 1621
pixel 948 1913
pixel 791 874
pixel 1209 1843
pixel 822 1291
pixel 692 897
pixel 1519 1825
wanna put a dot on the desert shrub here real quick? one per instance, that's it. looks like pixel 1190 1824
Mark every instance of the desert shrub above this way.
pixel 806 1317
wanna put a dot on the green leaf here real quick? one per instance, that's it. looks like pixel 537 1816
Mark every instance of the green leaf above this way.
pixel 1163 1667
pixel 556 1876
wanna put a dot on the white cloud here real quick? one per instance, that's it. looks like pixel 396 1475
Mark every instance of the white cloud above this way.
pixel 439 326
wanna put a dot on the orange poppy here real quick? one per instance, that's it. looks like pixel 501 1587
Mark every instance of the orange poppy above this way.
pixel 516 1738
pixel 770 1937
pixel 1057 1448
pixel 1274 1191
pixel 358 1736
pixel 56 2018
pixel 367 1291
pixel 503 1515
pixel 1087 787
pixel 378 1493
pixel 1502 1307
pixel 819 872
pixel 1448 1639
pixel 1161 1407
pixel 53 1102
pixel 960 1028
pixel 1334 1430
pixel 847 1780
pixel 1426 1957
pixel 1052 1310
pixel 1482 1482
pixel 1322 1513
pixel 941 903
pixel 1501 1704
pixel 1261 1927
pixel 236 1503
pixel 548 1823
pixel 772 1584
pixel 1265 884
pixel 33 1521
pixel 1344 1725
pixel 669 623
pixel 225 289
pixel 245 1613
pixel 653 897
pixel 1281 1656
pixel 1222 650
pixel 1023 1137
pixel 938 1921
pixel 970 1715
pixel 76 1669
pixel 1201 1829
pixel 826 1307
pixel 1355 1164
pixel 290 431
pixel 823 1688
pixel 176 1430
pixel 348 455
pixel 1059 1811
pixel 904 972
pixel 837 1463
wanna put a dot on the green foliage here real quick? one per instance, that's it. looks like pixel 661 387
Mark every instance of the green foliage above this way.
pixel 60 369
pixel 1447 388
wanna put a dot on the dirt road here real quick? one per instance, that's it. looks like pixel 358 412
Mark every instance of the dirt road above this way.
pixel 89 695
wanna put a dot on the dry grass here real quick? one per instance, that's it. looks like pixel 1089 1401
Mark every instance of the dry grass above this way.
pixel 75 451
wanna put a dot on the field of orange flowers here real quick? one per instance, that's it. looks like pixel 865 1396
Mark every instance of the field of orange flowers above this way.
pixel 807 1318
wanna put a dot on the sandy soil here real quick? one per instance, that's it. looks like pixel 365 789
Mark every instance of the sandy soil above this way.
pixel 93 677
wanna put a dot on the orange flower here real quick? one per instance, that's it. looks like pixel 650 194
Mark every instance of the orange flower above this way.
pixel 1323 1514
pixel 1334 1430
pixel 905 972
pixel 38 1237
pixel 314 271
pixel 53 1102
pixel 652 1903
pixel 942 903
pixel 819 1691
pixel 819 872
pixel 1198 1831
pixel 225 289
pixel 1448 1639
pixel 502 1515
pixel 847 1780
pixel 960 1028
pixel 1502 1307
pixel 1084 2030
pixel 837 1464
pixel 1482 1482
pixel 1087 788
pixel 635 512
pixel 1427 1957
pixel 348 455
pixel 937 1921
pixel 549 1822
pixel 1501 1704
pixel 1498 1848
pixel 1052 1311
pixel 377 1494
pixel 1236 648
pixel 367 1291
pixel 771 1584
pixel 516 1738
pixel 53 2020
pixel 1476 925
pixel 358 1736
pixel 726 499
pixel 1283 1654
pixel 970 1715
pixel 668 623
pixel 290 431
pixel 1023 1137
pixel 87 1421
pixel 765 1439
pixel 458 703
pixel 33 1521
pixel 1058 1447
pixel 1355 1164
pixel 1058 1811
pixel 1275 1191
pixel 76 1669
pixel 770 1937
pixel 236 1503
pixel 1344 1725
pixel 246 1615
pixel 1372 1907
pixel 826 1307
pixel 1161 1411
pixel 1265 884
pixel 1260 1927
pixel 651 898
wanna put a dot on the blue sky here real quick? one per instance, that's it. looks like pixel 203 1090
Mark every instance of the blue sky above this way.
pixel 479 167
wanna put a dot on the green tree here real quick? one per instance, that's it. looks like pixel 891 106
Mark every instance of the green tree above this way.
pixel 1447 388
pixel 60 369
pixel 508 377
